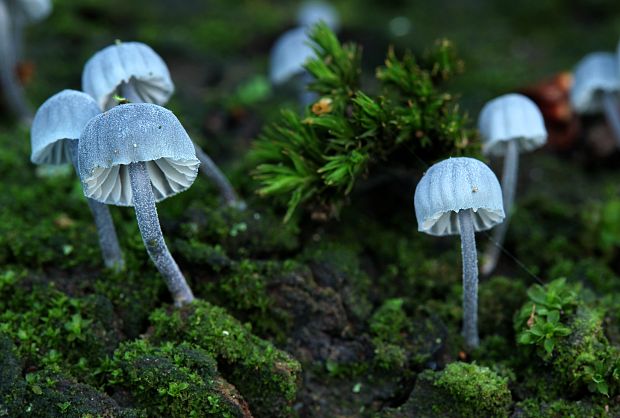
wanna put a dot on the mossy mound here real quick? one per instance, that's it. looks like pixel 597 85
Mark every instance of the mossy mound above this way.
pixel 461 390
pixel 174 381
pixel 266 377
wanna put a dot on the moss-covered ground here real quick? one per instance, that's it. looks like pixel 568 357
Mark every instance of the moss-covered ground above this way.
pixel 358 316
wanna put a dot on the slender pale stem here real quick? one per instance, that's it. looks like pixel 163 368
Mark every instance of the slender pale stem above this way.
pixel 108 241
pixel 148 222
pixel 129 92
pixel 306 97
pixel 209 169
pixel 611 107
pixel 13 91
pixel 470 278
pixel 509 186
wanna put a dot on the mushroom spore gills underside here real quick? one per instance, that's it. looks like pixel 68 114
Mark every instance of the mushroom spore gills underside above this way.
pixel 112 185
pixel 447 223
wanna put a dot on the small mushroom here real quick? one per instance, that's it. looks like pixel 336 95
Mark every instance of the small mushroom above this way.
pixel 292 49
pixel 596 88
pixel 55 132
pixel 461 196
pixel 136 155
pixel 312 12
pixel 136 72
pixel 14 15
pixel 509 124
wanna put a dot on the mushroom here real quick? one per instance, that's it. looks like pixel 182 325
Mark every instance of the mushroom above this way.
pixel 55 132
pixel 292 49
pixel 14 14
pixel 596 87
pixel 508 124
pixel 461 196
pixel 136 72
pixel 136 155
pixel 312 12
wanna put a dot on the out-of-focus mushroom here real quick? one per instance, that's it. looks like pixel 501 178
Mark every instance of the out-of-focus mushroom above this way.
pixel 312 12
pixel 509 124
pixel 596 88
pixel 461 196
pixel 55 132
pixel 14 15
pixel 136 72
pixel 136 155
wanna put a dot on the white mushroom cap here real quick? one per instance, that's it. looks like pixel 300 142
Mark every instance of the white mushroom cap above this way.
pixel 511 117
pixel 133 63
pixel 60 119
pixel 137 132
pixel 31 10
pixel 457 184
pixel 312 12
pixel 594 75
pixel 289 54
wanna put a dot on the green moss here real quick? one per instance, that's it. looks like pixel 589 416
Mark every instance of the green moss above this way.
pixel 266 377
pixel 461 390
pixel 53 329
pixel 388 325
pixel 243 288
pixel 174 381
pixel 561 408
pixel 499 298
pixel 248 233
pixel 568 334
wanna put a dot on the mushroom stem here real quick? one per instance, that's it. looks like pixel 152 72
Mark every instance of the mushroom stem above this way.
pixel 108 241
pixel 611 106
pixel 128 91
pixel 13 91
pixel 148 222
pixel 470 278
pixel 509 186
pixel 209 169
pixel 306 97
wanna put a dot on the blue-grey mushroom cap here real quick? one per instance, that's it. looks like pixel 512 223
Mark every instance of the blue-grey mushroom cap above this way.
pixel 289 54
pixel 313 12
pixel 133 63
pixel 511 117
pixel 597 73
pixel 453 185
pixel 60 119
pixel 30 10
pixel 137 132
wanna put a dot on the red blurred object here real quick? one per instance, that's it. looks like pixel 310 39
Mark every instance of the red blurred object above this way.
pixel 25 71
pixel 552 97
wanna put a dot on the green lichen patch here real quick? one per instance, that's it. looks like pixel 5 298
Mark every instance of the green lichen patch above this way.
pixel 266 377
pixel 174 381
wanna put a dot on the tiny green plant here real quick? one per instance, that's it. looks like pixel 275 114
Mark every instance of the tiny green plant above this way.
pixel 314 160
pixel 539 321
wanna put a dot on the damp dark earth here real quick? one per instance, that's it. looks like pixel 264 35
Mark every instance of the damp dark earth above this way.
pixel 281 209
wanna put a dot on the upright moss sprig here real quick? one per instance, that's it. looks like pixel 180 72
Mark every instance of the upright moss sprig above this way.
pixel 315 160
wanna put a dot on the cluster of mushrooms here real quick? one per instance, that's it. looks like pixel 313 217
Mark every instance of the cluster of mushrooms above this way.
pixel 462 195
pixel 127 151
pixel 130 151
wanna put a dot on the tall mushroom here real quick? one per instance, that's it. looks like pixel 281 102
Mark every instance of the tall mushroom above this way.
pixel 14 14
pixel 55 132
pixel 137 155
pixel 292 49
pixel 596 88
pixel 136 72
pixel 461 196
pixel 509 124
